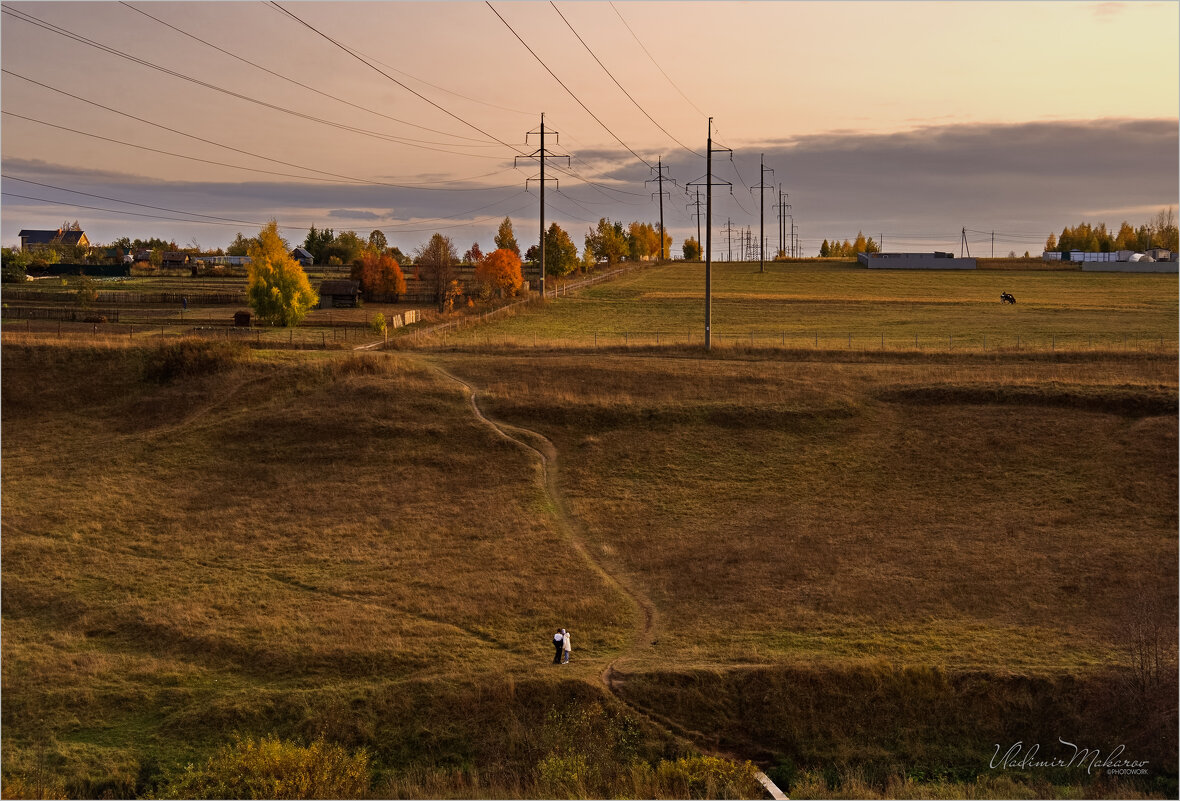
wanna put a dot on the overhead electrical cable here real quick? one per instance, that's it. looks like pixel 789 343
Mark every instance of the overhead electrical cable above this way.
pixel 280 76
pixel 566 88
pixel 129 202
pixel 125 213
pixel 444 89
pixel 616 80
pixel 239 150
pixel 175 155
pixel 653 61
pixel 417 94
pixel 24 17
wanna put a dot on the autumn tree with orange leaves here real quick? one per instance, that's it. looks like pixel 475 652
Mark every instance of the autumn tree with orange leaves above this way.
pixel 379 274
pixel 501 270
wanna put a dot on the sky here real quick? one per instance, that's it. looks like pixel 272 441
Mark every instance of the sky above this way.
pixel 909 121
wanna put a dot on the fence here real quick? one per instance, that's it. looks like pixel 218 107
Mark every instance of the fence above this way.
pixel 109 296
pixel 832 341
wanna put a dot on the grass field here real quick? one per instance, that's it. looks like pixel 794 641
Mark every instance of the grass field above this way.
pixel 796 304
pixel 863 569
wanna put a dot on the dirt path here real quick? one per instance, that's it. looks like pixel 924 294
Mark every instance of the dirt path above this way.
pixel 574 532
pixel 569 525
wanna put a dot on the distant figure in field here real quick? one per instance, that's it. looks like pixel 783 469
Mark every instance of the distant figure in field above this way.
pixel 565 647
pixel 558 645
pixel 1007 298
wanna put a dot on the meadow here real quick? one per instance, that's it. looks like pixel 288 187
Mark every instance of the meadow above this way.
pixel 828 306
pixel 861 568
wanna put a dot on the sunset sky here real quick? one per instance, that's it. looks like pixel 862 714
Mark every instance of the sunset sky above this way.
pixel 911 120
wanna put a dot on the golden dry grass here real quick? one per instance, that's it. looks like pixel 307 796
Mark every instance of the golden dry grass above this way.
pixel 810 511
pixel 331 543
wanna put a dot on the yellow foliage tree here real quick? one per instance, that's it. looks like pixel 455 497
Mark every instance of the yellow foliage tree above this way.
pixel 277 289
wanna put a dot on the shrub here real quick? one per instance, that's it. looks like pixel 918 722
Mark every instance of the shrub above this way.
pixel 190 357
pixel 273 768
pixel 377 324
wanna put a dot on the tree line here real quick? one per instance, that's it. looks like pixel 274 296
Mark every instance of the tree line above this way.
pixel 847 249
pixel 1158 232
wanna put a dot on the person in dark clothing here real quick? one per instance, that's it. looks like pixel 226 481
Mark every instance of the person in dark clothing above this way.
pixel 558 645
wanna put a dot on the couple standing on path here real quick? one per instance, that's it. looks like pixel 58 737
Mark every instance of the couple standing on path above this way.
pixel 561 647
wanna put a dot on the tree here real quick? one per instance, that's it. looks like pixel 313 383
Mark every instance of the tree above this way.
pixel 473 255
pixel 643 241
pixel 505 238
pixel 402 259
pixel 1127 238
pixel 377 240
pixel 317 243
pixel 561 254
pixel 277 288
pixel 239 247
pixel 607 241
pixel 825 250
pixel 379 274
pixel 347 247
pixel 1051 243
pixel 437 259
pixel 16 265
pixel 500 269
pixel 692 249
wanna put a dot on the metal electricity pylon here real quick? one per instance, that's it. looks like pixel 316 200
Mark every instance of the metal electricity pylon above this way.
pixel 540 155
pixel 696 214
pixel 659 169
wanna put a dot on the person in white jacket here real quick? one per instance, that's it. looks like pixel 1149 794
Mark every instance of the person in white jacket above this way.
pixel 565 647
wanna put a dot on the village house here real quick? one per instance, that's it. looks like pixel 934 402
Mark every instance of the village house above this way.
pixel 31 240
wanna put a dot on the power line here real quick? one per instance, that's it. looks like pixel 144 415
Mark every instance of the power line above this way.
pixel 653 61
pixel 128 202
pixel 624 91
pixel 28 18
pixel 395 80
pixel 228 147
pixel 299 83
pixel 128 213
pixel 566 88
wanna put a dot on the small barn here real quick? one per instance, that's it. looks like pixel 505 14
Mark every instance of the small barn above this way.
pixel 339 293
pixel 303 256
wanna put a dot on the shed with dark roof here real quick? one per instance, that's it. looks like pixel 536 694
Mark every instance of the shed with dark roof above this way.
pixel 339 293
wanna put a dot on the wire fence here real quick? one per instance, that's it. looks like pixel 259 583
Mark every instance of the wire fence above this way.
pixel 828 341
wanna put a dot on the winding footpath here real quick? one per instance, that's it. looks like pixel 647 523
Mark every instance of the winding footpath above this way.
pixel 572 530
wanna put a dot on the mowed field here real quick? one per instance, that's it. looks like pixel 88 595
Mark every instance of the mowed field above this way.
pixel 826 561
pixel 797 303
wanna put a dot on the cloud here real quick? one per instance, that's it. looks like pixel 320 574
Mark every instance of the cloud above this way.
pixel 922 186
pixel 354 214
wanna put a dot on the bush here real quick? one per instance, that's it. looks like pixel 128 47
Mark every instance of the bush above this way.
pixel 377 324
pixel 273 768
pixel 190 357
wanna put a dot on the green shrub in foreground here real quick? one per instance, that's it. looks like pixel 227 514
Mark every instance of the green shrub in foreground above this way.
pixel 273 768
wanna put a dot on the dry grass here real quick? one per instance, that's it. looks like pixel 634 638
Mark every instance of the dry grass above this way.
pixel 330 543
pixel 799 511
